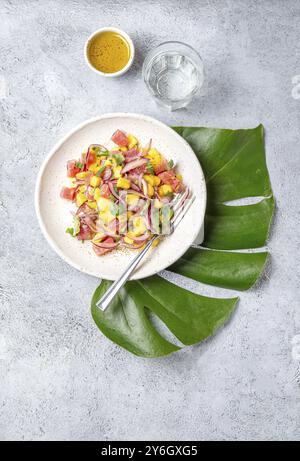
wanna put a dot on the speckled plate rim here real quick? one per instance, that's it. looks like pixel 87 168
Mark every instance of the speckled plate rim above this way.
pixel 198 171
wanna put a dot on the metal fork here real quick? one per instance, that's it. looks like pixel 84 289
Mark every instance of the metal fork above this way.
pixel 179 213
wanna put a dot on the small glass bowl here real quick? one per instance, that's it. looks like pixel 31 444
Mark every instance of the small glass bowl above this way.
pixel 173 73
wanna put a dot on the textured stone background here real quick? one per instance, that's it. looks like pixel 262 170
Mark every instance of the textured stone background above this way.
pixel 59 377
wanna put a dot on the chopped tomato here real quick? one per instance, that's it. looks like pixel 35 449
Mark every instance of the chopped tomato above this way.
pixel 176 185
pixel 105 191
pixel 169 177
pixel 101 251
pixel 120 138
pixel 163 166
pixel 85 232
pixel 72 169
pixel 68 193
pixel 90 159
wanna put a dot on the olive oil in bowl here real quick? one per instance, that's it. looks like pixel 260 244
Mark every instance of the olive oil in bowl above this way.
pixel 110 52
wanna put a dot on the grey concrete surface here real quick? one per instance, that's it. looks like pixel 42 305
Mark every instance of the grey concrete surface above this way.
pixel 60 379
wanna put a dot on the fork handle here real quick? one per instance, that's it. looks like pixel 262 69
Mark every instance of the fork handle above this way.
pixel 112 291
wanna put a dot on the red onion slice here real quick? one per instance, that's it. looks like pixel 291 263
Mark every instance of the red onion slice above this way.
pixel 112 190
pixel 132 154
pixel 110 245
pixel 92 225
pixel 132 191
pixel 142 238
pixel 132 246
pixel 85 210
pixel 133 176
pixel 107 174
pixel 97 145
pixel 135 187
pixel 144 187
pixel 134 164
pixel 147 147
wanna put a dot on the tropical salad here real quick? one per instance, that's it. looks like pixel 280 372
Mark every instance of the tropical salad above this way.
pixel 120 193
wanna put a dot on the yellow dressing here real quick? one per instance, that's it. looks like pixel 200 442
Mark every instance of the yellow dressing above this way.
pixel 108 52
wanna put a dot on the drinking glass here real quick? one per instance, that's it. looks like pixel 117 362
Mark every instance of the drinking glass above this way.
pixel 173 73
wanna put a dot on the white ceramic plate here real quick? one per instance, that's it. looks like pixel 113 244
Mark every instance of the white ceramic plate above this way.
pixel 54 213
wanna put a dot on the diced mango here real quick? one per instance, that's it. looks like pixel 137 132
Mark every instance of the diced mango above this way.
pixel 98 237
pixel 95 181
pixel 123 183
pixel 132 141
pixel 149 178
pixel 131 235
pixel 103 203
pixel 155 243
pixel 117 171
pixel 132 199
pixel 93 167
pixel 139 226
pixel 156 180
pixel 179 176
pixel 82 175
pixel 150 190
pixel 97 193
pixel 152 179
pixel 80 199
pixel 106 216
pixel 82 188
pixel 92 204
pixel 154 157
pixel 122 149
pixel 128 240
pixel 110 162
pixel 164 190
pixel 129 214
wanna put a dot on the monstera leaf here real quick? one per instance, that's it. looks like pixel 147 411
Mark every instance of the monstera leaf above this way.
pixel 235 168
pixel 190 317
pixel 238 271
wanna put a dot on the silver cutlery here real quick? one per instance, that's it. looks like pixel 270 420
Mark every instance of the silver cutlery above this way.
pixel 180 207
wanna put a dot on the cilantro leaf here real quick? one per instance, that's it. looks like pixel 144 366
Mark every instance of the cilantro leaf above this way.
pixel 76 229
pixel 149 168
pixel 114 209
pixel 76 224
pixel 119 158
pixel 70 231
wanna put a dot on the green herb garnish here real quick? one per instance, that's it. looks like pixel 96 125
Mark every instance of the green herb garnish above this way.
pixel 114 209
pixel 79 165
pixel 76 227
pixel 149 168
pixel 70 231
pixel 100 151
pixel 99 172
pixel 119 158
pixel 170 163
